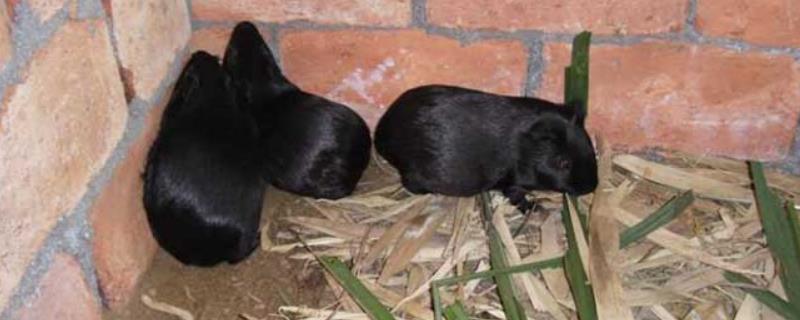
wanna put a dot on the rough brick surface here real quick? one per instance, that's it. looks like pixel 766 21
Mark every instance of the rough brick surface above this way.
pixel 123 246
pixel 605 17
pixel 368 70
pixel 215 39
pixel 766 22
pixel 56 130
pixel 691 98
pixel 62 294
pixel 5 35
pixel 354 12
pixel 46 9
pixel 149 34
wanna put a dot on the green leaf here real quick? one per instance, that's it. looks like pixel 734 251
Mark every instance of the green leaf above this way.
pixel 664 215
pixel 363 297
pixel 497 259
pixel 528 267
pixel 766 297
pixel 780 236
pixel 583 218
pixel 437 301
pixel 456 312
pixel 576 91
pixel 795 222
pixel 576 275
pixel 577 74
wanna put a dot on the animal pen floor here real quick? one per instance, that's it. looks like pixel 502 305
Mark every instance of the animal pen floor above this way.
pixel 397 242
pixel 254 288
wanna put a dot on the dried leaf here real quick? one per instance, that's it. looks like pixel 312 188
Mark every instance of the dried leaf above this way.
pixel 166 308
pixel 540 298
pixel 750 309
pixel 662 313
pixel 401 207
pixel 412 241
pixel 394 232
pixel 446 267
pixel 342 230
pixel 417 273
pixel 464 210
pixel 678 244
pixel 369 201
pixel 682 180
pixel 604 246
pixel 317 314
pixel 390 298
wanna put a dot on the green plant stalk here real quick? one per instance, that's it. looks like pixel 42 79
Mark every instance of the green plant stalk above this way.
pixel 766 297
pixel 779 233
pixel 576 276
pixel 664 215
pixel 576 92
pixel 583 218
pixel 456 312
pixel 363 297
pixel 576 89
pixel 795 222
pixel 576 79
pixel 437 301
pixel 497 260
pixel 528 267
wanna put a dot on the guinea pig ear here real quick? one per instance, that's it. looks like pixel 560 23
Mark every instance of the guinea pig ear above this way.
pixel 242 48
pixel 250 62
pixel 578 113
pixel 189 80
pixel 246 49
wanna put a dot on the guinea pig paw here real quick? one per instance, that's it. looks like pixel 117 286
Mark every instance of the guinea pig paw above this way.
pixel 518 197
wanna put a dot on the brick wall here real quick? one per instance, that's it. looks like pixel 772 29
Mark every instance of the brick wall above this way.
pixel 84 83
pixel 701 76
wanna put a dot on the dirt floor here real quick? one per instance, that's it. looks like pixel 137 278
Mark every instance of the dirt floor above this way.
pixel 253 289
pixel 675 273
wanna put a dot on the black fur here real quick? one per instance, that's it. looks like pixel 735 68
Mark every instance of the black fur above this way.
pixel 461 142
pixel 202 198
pixel 316 147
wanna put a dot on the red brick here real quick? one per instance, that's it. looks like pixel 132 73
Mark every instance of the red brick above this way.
pixel 62 294
pixel 215 39
pixel 692 98
pixel 368 70
pixel 603 17
pixel 149 34
pixel 766 22
pixel 123 245
pixel 42 9
pixel 46 9
pixel 56 131
pixel 353 12
pixel 5 36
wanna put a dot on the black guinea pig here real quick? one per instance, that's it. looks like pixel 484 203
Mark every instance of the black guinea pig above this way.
pixel 460 142
pixel 203 190
pixel 316 147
